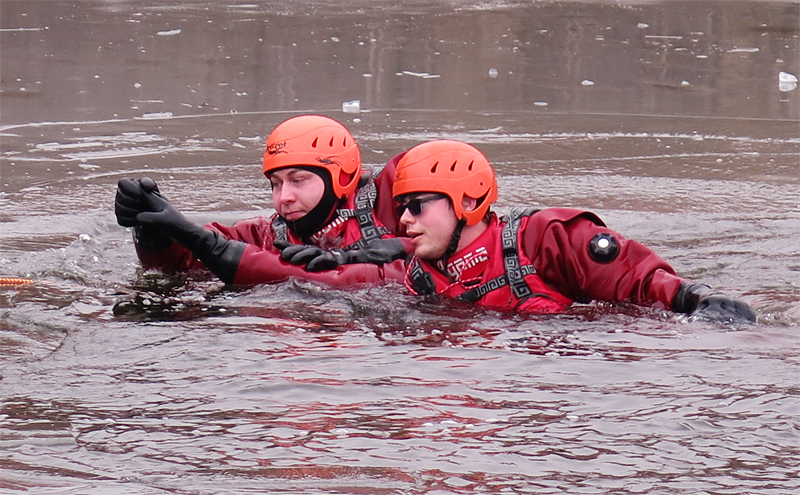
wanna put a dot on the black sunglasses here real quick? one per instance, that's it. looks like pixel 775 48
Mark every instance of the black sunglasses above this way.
pixel 415 205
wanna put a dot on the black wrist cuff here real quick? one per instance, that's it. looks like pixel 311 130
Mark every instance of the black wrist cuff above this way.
pixel 220 254
pixel 687 296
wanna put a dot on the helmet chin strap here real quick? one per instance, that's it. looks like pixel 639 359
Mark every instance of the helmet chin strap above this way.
pixel 453 245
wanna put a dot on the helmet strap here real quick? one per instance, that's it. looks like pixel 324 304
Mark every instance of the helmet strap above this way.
pixel 453 245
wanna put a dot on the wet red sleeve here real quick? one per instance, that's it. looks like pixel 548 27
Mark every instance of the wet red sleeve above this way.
pixel 559 245
pixel 172 259
pixel 176 258
pixel 260 266
pixel 261 262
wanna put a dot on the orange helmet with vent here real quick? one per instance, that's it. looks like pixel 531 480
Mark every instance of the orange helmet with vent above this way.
pixel 314 140
pixel 453 168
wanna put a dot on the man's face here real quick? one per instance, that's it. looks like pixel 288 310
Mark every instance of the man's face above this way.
pixel 295 192
pixel 429 221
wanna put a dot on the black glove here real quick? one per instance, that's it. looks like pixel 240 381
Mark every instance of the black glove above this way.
pixel 128 203
pixel 218 253
pixel 129 200
pixel 317 259
pixel 159 213
pixel 701 301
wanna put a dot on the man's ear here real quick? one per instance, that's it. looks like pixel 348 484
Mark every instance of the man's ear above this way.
pixel 469 204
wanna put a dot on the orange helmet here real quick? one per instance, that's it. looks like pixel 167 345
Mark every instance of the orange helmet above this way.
pixel 453 168
pixel 317 141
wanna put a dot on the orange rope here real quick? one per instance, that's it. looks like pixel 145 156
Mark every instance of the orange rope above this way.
pixel 11 281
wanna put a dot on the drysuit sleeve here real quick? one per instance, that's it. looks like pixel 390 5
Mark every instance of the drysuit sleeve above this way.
pixel 258 266
pixel 174 258
pixel 575 253
pixel 259 262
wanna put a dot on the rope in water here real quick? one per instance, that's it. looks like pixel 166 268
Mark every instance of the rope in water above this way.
pixel 11 281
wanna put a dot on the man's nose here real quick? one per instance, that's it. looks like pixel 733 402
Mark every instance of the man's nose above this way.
pixel 406 218
pixel 288 193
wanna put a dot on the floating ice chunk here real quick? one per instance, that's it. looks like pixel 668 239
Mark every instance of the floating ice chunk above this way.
pixel 736 49
pixel 137 85
pixel 157 115
pixel 492 73
pixel 643 25
pixel 786 81
pixel 423 75
pixel 352 106
pixel 587 82
pixel 171 32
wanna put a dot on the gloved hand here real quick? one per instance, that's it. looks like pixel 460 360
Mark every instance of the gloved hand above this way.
pixel 219 254
pixel 317 259
pixel 128 203
pixel 129 200
pixel 701 301
pixel 158 212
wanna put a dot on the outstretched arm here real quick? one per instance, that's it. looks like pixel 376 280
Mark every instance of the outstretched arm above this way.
pixel 240 254
pixel 218 253
pixel 578 255
pixel 378 252
pixel 259 266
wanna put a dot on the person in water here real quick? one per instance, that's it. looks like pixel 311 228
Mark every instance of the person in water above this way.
pixel 324 202
pixel 532 261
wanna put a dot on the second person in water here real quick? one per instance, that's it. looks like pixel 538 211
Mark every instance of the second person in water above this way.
pixel 533 261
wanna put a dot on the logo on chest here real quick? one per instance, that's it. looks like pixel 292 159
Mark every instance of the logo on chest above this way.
pixel 458 266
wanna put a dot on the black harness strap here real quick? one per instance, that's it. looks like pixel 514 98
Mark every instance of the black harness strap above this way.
pixel 511 262
pixel 515 273
pixel 365 204
pixel 279 227
pixel 478 292
pixel 421 281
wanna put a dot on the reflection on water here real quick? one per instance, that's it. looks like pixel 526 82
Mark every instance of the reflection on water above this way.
pixel 64 61
pixel 666 118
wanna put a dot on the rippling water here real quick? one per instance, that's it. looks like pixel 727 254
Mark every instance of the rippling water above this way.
pixel 118 381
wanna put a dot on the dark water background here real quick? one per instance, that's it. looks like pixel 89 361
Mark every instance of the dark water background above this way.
pixel 668 119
